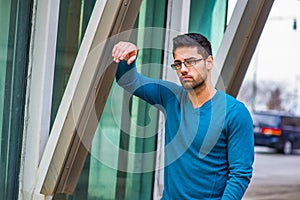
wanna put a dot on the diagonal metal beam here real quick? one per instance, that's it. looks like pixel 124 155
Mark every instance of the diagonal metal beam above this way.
pixel 85 96
pixel 239 43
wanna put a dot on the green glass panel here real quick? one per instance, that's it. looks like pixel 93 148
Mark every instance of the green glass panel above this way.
pixel 140 185
pixel 105 150
pixel 73 20
pixel 208 17
pixel 15 18
pixel 4 31
pixel 4 34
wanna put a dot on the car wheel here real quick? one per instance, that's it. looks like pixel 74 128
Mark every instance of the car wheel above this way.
pixel 287 147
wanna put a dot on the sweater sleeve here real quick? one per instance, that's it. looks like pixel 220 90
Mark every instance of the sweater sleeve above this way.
pixel 153 91
pixel 240 152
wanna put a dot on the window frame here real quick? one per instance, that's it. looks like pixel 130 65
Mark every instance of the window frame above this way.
pixel 65 153
pixel 39 93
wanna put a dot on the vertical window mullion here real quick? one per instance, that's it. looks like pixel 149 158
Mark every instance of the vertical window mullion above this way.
pixel 14 96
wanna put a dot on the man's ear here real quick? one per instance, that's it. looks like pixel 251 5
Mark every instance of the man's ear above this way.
pixel 209 62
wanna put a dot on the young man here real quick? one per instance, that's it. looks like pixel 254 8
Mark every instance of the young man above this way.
pixel 209 148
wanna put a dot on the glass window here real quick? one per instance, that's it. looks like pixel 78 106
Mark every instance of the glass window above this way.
pixel 211 22
pixel 15 18
pixel 73 19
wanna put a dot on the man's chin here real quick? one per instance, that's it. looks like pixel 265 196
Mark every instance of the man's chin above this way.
pixel 187 86
pixel 191 86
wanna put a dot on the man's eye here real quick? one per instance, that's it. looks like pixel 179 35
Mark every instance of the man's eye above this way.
pixel 189 62
pixel 177 63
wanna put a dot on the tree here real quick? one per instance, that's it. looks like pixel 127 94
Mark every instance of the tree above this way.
pixel 268 95
pixel 274 102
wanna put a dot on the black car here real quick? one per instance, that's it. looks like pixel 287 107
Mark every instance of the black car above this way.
pixel 277 130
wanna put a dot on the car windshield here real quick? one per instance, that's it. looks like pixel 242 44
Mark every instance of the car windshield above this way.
pixel 264 120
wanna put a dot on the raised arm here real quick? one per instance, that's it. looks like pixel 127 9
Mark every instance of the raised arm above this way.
pixel 153 91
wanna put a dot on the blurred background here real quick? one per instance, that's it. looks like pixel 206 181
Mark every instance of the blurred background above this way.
pixel 272 82
pixel 273 78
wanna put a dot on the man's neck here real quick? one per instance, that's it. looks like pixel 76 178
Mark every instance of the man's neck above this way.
pixel 201 95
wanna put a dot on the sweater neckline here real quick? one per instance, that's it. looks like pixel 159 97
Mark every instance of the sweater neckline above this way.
pixel 204 105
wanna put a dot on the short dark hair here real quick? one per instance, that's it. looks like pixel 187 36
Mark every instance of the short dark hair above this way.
pixel 193 40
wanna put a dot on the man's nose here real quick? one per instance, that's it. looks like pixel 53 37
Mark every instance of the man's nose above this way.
pixel 183 69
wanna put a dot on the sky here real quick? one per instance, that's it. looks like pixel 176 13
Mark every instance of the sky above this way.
pixel 277 55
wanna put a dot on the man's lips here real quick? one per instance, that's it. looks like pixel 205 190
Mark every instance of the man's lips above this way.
pixel 186 78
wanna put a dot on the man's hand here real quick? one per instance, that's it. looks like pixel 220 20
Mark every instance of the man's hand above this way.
pixel 125 51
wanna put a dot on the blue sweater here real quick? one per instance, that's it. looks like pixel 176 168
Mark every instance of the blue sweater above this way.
pixel 209 151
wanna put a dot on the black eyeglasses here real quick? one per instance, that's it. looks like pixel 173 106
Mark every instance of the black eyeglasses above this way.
pixel 187 62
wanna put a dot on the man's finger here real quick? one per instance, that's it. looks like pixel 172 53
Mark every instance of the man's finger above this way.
pixel 131 59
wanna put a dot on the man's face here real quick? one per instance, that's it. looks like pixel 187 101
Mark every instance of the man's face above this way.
pixel 191 76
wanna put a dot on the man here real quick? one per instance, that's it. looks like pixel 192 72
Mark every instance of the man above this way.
pixel 209 148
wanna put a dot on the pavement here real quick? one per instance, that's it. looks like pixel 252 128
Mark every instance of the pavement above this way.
pixel 275 177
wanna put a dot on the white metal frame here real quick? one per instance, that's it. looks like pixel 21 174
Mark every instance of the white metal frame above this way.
pixel 38 93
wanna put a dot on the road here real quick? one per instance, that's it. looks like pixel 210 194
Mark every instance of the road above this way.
pixel 276 176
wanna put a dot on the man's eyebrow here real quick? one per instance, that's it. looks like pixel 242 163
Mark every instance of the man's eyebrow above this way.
pixel 177 60
pixel 189 58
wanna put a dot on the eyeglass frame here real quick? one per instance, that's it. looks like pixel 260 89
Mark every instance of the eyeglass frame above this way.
pixel 192 63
